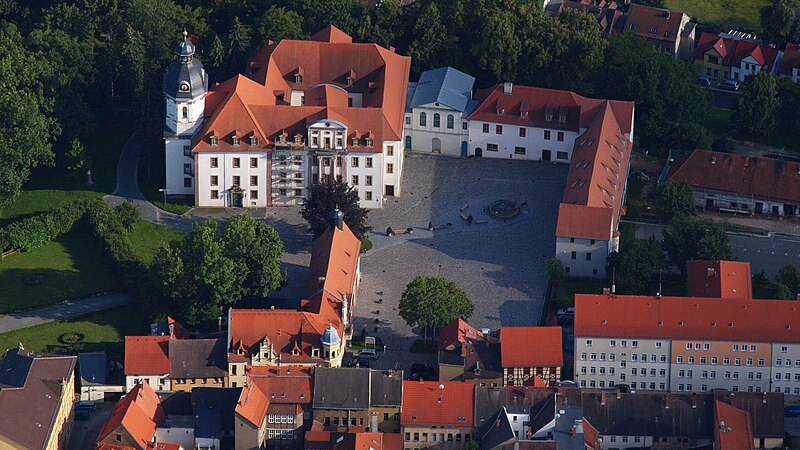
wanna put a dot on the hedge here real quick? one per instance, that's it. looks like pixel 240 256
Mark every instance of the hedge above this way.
pixel 34 232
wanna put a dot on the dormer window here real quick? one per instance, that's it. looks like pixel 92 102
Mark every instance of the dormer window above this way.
pixel 653 30
pixel 500 111
pixel 315 352
pixel 298 79
pixel 254 141
pixel 235 140
pixel 355 142
pixel 298 139
pixel 548 117
pixel 562 118
pixel 184 86
pixel 214 140
pixel 281 138
pixel 369 142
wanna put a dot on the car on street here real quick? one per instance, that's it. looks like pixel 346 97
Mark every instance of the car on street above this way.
pixel 362 362
pixel 85 405
pixel 422 372
pixel 729 85
pixel 82 414
pixel 370 353
pixel 703 81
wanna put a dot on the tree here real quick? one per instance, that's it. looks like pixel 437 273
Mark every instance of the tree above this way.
pixel 631 269
pixel 216 57
pixel 555 270
pixel 325 197
pixel 77 159
pixel 757 108
pixel 277 24
pixel 779 18
pixel 128 214
pixel 675 199
pixel 723 144
pixel 238 44
pixel 784 293
pixel 789 276
pixel 689 136
pixel 256 249
pixel 497 48
pixel 584 49
pixel 653 3
pixel 433 302
pixel 431 38
pixel 687 239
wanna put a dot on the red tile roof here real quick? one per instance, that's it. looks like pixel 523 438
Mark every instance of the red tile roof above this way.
pixel 147 355
pixel 426 403
pixel 791 59
pixel 253 404
pixel 733 51
pixel 596 181
pixel 458 331
pixel 353 441
pixel 251 105
pixel 687 318
pixel 732 427
pixel 139 412
pixel 531 347
pixel 284 384
pixel 760 178
pixel 728 279
pixel 164 446
pixel 643 20
pixel 580 111
pixel 334 263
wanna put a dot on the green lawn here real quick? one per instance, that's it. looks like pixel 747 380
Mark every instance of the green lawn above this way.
pixel 103 330
pixel 717 120
pixel 32 202
pixel 70 268
pixel 740 14
pixel 148 237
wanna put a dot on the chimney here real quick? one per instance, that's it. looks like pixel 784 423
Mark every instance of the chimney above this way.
pixel 619 393
pixel 710 272
pixel 694 400
pixel 172 331
pixel 337 218
pixel 497 423
pixel 508 87
pixel 602 399
pixel 666 401
pixel 764 398
pixel 606 291
pixel 579 426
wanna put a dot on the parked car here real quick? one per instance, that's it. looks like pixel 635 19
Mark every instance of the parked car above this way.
pixel 370 353
pixel 704 80
pixel 363 362
pixel 422 372
pixel 570 311
pixel 85 405
pixel 82 414
pixel 792 411
pixel 729 85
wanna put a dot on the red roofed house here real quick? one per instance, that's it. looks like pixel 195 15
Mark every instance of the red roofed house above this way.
pixel 147 361
pixel 438 414
pixel 790 64
pixel 732 428
pixel 670 31
pixel 729 56
pixel 133 421
pixel 720 279
pixel 303 112
pixel 693 344
pixel 317 332
pixel 740 183
pixel 529 354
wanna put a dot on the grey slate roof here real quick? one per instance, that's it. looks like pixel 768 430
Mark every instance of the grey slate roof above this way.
pixel 496 432
pixel 14 368
pixel 92 367
pixel 341 388
pixel 444 85
pixel 214 410
pixel 198 358
pixel 191 71
pixel 386 388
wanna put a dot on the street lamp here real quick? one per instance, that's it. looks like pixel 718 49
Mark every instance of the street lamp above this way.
pixel 164 190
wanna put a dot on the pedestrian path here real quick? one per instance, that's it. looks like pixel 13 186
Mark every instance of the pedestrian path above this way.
pixel 62 311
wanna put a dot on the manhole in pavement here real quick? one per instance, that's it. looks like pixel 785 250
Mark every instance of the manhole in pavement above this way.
pixel 503 209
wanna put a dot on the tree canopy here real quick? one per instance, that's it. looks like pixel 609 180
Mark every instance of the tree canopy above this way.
pixel 757 109
pixel 325 197
pixel 675 199
pixel 433 302
pixel 688 238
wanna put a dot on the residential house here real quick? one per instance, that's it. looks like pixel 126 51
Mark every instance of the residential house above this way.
pixel 358 399
pixel 790 65
pixel 732 428
pixel 332 440
pixel 608 14
pixel 731 57
pixel 147 361
pixel 251 419
pixel 514 416
pixel 531 353
pixel 670 31
pixel 37 393
pixel 765 411
pixel 304 111
pixel 437 107
pixel 133 421
pixel 686 344
pixel 437 414
pixel 466 354
pixel 287 414
pixel 197 363
pixel 674 420
pixel 93 367
pixel 740 183
pixel 214 423
pixel 719 279
pixel 316 333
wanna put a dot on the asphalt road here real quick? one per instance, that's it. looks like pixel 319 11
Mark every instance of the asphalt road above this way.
pixel 62 311
pixel 84 432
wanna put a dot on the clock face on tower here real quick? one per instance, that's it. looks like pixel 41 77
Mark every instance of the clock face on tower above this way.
pixel 184 86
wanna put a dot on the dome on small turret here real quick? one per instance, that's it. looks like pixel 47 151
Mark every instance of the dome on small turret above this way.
pixel 185 48
pixel 330 337
pixel 185 77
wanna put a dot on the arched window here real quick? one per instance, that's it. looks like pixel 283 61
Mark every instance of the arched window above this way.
pixel 185 112
pixel 436 120
pixel 450 121
pixel 423 119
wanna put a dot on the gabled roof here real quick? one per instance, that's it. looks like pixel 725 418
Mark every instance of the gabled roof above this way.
pixel 147 355
pixel 733 51
pixel 732 427
pixel 718 319
pixel 92 366
pixel 31 390
pixel 213 410
pixel 198 358
pixel 728 279
pixel 766 410
pixel 253 404
pixel 139 412
pixel 458 331
pixel 334 263
pixel 587 222
pixel 427 403
pixel 341 388
pixel 445 85
pixel 531 347
pixel 654 23
pixel 760 178
pixel 284 384
pixel 791 59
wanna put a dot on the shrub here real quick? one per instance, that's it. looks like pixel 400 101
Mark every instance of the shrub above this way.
pixel 34 232
pixel 27 234
pixel 366 245
pixel 128 213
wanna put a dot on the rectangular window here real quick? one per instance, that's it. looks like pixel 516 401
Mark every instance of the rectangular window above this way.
pixel 214 194
pixel 390 150
pixel 237 163
pixel 562 155
pixel 187 151
pixel 354 161
pixel 491 147
pixel 547 135
pixel 187 169
pixel 523 132
pixel 253 180
pixel 214 163
pixel 574 255
pixel 237 180
pixel 389 168
pixel 519 150
pixel 368 195
pixel 214 180
pixel 187 182
pixel 354 180
pixel 368 163
pixel 498 129
pixel 486 128
pixel 254 194
pixel 408 120
pixel 464 125
pixel 368 180
pixel 253 163
pixel 560 136
pixel 588 256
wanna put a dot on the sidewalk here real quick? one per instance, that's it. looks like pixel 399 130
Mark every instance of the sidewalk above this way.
pixel 781 226
pixel 62 311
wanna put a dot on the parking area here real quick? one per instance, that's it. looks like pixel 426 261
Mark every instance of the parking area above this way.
pixel 500 264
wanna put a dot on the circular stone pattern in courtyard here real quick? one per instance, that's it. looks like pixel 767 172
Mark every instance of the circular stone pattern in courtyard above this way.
pixel 503 209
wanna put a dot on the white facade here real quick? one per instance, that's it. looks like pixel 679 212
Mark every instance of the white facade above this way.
pixel 436 128
pixel 157 382
pixel 219 174
pixel 640 363
pixel 584 257
pixel 500 140
pixel 786 368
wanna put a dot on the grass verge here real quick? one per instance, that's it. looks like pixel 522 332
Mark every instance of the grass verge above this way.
pixel 102 331
pixel 357 343
pixel 72 267
pixel 146 238
pixel 718 121
pixel 726 14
